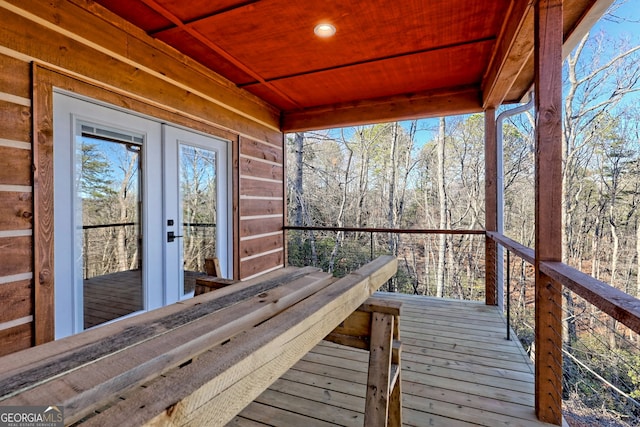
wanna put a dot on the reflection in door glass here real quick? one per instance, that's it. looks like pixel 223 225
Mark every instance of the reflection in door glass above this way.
pixel 198 198
pixel 108 198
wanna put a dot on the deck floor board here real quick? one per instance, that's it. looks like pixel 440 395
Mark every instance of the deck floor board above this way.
pixel 457 370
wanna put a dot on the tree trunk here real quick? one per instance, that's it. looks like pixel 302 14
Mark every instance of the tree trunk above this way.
pixel 122 202
pixel 363 179
pixel 442 197
pixel 391 214
pixel 339 220
pixel 611 322
pixel 638 257
pixel 298 189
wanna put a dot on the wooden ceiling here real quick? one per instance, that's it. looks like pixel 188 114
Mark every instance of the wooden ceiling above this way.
pixel 388 60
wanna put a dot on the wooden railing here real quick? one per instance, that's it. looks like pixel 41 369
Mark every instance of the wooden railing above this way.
pixel 621 306
pixel 608 299
pixel 376 241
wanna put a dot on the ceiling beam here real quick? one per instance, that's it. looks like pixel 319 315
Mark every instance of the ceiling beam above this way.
pixel 214 47
pixel 204 17
pixel 459 100
pixel 512 52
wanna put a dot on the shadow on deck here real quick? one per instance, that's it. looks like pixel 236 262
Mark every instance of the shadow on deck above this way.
pixel 457 370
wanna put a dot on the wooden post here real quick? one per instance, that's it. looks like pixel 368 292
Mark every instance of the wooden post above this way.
pixel 375 327
pixel 491 203
pixel 548 213
pixel 378 391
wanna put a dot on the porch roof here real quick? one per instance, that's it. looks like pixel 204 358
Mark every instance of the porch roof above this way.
pixel 388 60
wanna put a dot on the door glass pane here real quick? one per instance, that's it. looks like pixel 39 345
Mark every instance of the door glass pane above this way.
pixel 109 201
pixel 198 199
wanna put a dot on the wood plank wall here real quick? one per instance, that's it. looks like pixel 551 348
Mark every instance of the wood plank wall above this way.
pixel 261 207
pixel 16 205
pixel 81 47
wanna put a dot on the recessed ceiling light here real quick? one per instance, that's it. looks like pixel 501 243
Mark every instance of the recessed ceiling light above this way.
pixel 324 30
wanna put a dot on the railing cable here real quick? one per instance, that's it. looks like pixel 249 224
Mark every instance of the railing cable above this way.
pixel 599 377
pixel 508 295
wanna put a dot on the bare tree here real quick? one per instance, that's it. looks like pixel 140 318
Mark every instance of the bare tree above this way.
pixel 442 198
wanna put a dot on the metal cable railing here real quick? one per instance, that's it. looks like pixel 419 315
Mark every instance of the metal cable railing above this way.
pixel 340 250
pixel 601 363
pixel 115 247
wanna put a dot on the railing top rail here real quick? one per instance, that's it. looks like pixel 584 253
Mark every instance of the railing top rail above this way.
pixel 617 304
pixel 383 230
pixel 519 249
pixel 623 307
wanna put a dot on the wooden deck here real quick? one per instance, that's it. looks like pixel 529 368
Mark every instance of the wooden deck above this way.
pixel 457 370
pixel 111 296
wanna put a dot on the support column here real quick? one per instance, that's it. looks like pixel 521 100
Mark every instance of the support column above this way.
pixel 491 203
pixel 548 208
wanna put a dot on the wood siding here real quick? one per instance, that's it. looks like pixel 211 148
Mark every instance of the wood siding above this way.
pixel 16 206
pixel 262 207
pixel 78 46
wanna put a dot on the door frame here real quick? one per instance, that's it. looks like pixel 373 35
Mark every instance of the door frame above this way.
pixel 44 80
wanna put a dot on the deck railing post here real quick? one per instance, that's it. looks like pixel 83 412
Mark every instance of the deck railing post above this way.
pixel 371 243
pixel 491 204
pixel 548 37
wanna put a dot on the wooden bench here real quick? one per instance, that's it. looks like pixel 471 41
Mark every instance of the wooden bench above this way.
pixel 197 362
pixel 206 284
pixel 212 281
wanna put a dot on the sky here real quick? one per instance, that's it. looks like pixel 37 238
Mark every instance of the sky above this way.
pixel 624 20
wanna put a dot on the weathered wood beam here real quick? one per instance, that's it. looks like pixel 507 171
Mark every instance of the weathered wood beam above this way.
pixel 548 208
pixel 54 357
pixel 490 203
pixel 92 385
pixel 445 102
pixel 513 49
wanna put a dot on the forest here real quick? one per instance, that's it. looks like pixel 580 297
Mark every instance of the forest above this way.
pixel 429 175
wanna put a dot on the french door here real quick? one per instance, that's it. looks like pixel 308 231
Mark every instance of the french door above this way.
pixel 196 206
pixel 138 206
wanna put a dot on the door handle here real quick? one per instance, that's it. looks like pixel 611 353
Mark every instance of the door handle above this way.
pixel 171 236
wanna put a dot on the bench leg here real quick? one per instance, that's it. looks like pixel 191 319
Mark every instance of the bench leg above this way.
pixel 376 411
pixel 395 400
